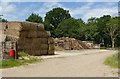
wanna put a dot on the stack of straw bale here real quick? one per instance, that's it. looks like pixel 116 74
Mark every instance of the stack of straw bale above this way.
pixel 51 48
pixel 2 29
pixel 30 37
pixel 72 43
pixel 75 44
pixel 86 44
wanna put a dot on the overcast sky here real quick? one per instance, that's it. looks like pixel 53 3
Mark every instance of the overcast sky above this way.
pixel 19 11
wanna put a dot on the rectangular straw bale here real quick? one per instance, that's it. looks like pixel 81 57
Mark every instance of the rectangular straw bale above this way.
pixel 48 32
pixel 50 40
pixel 28 26
pixel 40 27
pixel 51 49
pixel 44 47
pixel 38 34
pixel 24 41
pixel 51 52
pixel 44 52
pixel 34 52
pixel 36 41
pixel 14 25
pixel 12 32
pixel 32 34
pixel 26 46
pixel 44 40
pixel 3 25
pixel 1 32
pixel 42 34
pixel 37 46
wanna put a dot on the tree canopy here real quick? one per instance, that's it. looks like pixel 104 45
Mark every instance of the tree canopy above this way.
pixel 34 18
pixel 54 17
pixel 113 29
pixel 68 28
pixel 103 30
pixel 3 20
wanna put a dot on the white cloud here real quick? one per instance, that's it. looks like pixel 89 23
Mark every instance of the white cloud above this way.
pixel 47 7
pixel 60 0
pixel 29 0
pixel 80 10
pixel 98 12
pixel 13 12
pixel 88 11
pixel 8 10
pixel 101 11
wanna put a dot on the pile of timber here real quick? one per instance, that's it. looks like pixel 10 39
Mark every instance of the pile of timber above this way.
pixel 72 43
pixel 30 37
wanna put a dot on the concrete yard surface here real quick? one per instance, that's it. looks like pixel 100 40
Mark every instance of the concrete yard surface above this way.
pixel 74 63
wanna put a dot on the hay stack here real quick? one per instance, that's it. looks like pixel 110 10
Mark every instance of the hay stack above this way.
pixel 51 48
pixel 72 43
pixel 86 44
pixel 30 37
pixel 75 44
pixel 3 26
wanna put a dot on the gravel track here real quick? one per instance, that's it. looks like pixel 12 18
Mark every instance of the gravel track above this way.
pixel 83 63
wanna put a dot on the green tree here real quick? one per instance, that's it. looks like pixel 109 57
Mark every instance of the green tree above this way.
pixel 34 18
pixel 113 29
pixel 82 29
pixel 92 29
pixel 54 17
pixel 102 36
pixel 68 28
pixel 3 20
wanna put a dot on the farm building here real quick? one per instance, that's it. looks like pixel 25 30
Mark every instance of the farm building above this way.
pixel 29 37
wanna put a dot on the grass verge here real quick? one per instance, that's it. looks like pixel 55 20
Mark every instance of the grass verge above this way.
pixel 13 63
pixel 113 61
pixel 8 63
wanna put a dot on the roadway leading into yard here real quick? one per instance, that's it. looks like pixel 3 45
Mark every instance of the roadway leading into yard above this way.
pixel 83 63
